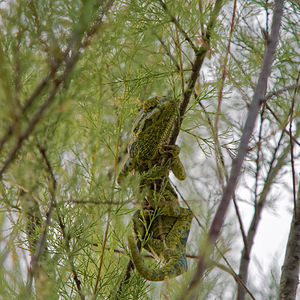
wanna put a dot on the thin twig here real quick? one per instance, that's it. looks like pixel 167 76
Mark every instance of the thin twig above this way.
pixel 168 52
pixel 28 103
pixel 282 125
pixel 40 246
pixel 186 203
pixel 238 279
pixel 102 254
pixel 237 211
pixel 200 56
pixel 177 24
pixel 97 202
pixel 231 271
pixel 41 243
pixel 215 130
pixel 180 60
pixel 281 91
pixel 66 238
pixel 220 96
pixel 117 147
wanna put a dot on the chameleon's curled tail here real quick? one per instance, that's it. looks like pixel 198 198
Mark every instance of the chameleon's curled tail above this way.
pixel 174 267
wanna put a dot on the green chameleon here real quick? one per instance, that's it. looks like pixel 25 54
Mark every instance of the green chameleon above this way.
pixel 162 227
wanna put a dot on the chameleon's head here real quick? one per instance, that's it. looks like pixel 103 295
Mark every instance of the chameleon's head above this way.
pixel 152 127
pixel 156 116
pixel 161 103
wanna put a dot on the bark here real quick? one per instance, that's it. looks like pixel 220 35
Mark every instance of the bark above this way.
pixel 290 270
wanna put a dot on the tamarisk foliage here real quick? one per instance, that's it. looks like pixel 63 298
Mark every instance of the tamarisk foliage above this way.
pixel 72 74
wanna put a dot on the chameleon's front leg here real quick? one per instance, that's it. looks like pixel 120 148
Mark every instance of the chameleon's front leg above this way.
pixel 175 165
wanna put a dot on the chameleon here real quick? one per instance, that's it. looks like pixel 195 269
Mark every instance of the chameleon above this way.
pixel 162 226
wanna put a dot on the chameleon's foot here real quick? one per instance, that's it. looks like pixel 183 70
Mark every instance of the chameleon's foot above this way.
pixel 172 151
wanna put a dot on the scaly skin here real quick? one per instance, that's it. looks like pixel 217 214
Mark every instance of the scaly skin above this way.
pixel 150 131
pixel 166 239
pixel 162 227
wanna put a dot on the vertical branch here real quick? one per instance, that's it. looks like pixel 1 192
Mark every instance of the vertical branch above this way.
pixel 39 265
pixel 220 97
pixel 180 60
pixel 70 258
pixel 167 51
pixel 272 173
pixel 102 253
pixel 130 264
pixel 258 98
pixel 292 148
pixel 38 271
pixel 125 279
pixel 62 226
pixel 219 156
pixel 290 270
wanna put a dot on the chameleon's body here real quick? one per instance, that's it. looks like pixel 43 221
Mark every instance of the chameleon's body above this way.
pixel 162 227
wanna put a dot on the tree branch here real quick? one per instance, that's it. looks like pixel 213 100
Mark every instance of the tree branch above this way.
pixel 258 98
pixel 272 173
pixel 290 270
pixel 35 220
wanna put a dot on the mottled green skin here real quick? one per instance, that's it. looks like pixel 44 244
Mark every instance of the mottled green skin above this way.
pixel 149 136
pixel 165 226
pixel 165 238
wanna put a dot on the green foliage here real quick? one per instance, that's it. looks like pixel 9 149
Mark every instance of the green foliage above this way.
pixel 62 179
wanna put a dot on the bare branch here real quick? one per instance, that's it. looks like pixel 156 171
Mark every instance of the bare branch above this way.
pixel 61 224
pixel 280 91
pixel 224 70
pixel 259 206
pixel 280 123
pixel 292 147
pixel 290 270
pixel 40 246
pixel 37 245
pixel 258 98
pixel 70 258
pixel 237 211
